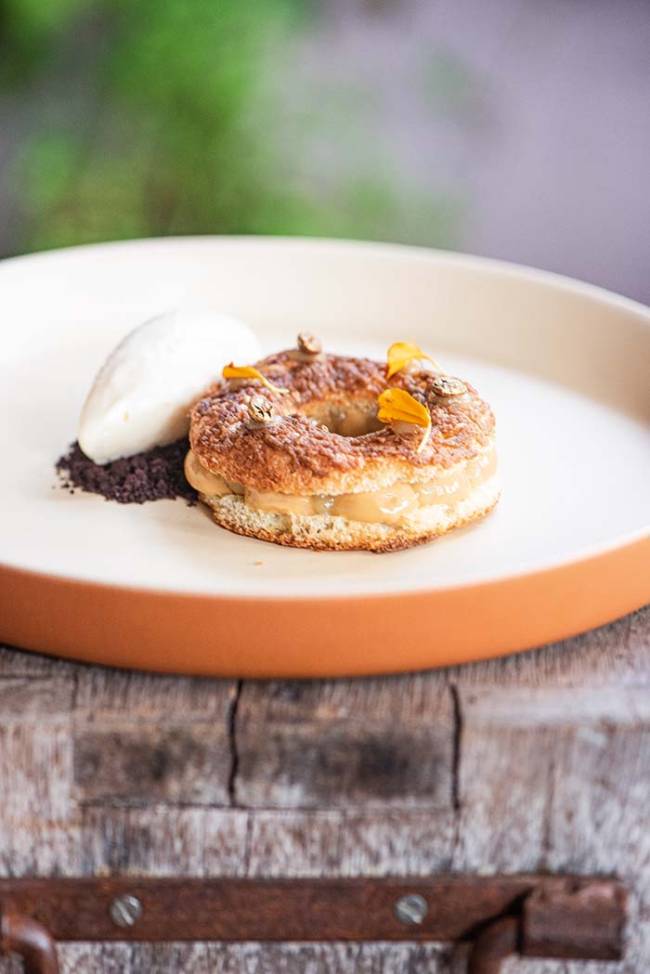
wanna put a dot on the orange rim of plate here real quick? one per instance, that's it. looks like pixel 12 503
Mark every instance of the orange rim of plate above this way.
pixel 307 637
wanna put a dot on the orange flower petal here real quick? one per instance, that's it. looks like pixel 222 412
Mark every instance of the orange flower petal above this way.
pixel 399 406
pixel 233 371
pixel 396 416
pixel 401 353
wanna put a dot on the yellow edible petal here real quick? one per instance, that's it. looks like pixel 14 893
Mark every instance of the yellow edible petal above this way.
pixel 399 406
pixel 233 371
pixel 401 353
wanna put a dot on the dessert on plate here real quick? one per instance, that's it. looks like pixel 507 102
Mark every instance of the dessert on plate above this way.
pixel 304 448
pixel 332 452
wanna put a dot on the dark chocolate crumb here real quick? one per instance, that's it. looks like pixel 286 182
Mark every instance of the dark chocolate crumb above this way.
pixel 151 476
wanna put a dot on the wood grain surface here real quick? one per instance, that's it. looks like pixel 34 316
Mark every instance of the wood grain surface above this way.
pixel 540 761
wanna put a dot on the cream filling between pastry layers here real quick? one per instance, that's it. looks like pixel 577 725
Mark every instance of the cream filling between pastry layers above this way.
pixel 388 505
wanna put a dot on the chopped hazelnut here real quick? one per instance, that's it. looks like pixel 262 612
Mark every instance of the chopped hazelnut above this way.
pixel 260 410
pixel 309 344
pixel 447 385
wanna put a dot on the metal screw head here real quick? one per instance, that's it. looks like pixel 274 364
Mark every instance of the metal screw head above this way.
pixel 411 909
pixel 309 344
pixel 125 910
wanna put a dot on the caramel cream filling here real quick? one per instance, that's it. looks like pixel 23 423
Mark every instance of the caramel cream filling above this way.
pixel 211 484
pixel 389 505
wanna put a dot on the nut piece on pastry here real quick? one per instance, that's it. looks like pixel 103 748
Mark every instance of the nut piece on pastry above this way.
pixel 308 344
pixel 261 411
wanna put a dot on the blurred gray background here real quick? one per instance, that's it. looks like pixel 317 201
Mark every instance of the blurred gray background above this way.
pixel 511 128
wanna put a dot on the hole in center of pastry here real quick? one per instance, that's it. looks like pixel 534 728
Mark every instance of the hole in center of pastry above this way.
pixel 351 418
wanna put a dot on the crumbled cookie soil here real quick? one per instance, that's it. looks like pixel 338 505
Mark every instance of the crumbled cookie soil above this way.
pixel 151 476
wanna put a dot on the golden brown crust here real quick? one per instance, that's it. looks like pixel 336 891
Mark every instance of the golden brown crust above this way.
pixel 294 455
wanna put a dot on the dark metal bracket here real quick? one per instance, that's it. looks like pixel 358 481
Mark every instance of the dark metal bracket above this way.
pixel 577 917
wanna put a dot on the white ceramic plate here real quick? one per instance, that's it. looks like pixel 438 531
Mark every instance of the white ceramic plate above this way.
pixel 565 366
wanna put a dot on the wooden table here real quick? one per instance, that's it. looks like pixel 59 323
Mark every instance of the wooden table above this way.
pixel 537 762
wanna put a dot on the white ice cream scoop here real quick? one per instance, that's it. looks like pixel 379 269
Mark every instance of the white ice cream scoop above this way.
pixel 141 395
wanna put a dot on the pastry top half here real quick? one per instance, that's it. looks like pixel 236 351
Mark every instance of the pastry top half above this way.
pixel 321 434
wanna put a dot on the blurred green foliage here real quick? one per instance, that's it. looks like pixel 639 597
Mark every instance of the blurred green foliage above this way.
pixel 154 117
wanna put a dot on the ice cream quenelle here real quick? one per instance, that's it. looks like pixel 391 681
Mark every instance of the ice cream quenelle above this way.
pixel 142 394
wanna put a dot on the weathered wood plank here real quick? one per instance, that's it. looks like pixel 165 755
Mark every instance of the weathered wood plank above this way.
pixel 394 842
pixel 599 815
pixel 37 828
pixel 282 843
pixel 20 662
pixel 37 699
pixel 373 743
pixel 337 843
pixel 160 841
pixel 35 773
pixel 185 763
pixel 104 695
pixel 38 847
pixel 202 958
pixel 144 739
pixel 560 780
pixel 513 742
pixel 616 654
pixel 104 958
pixel 544 763
pixel 253 959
